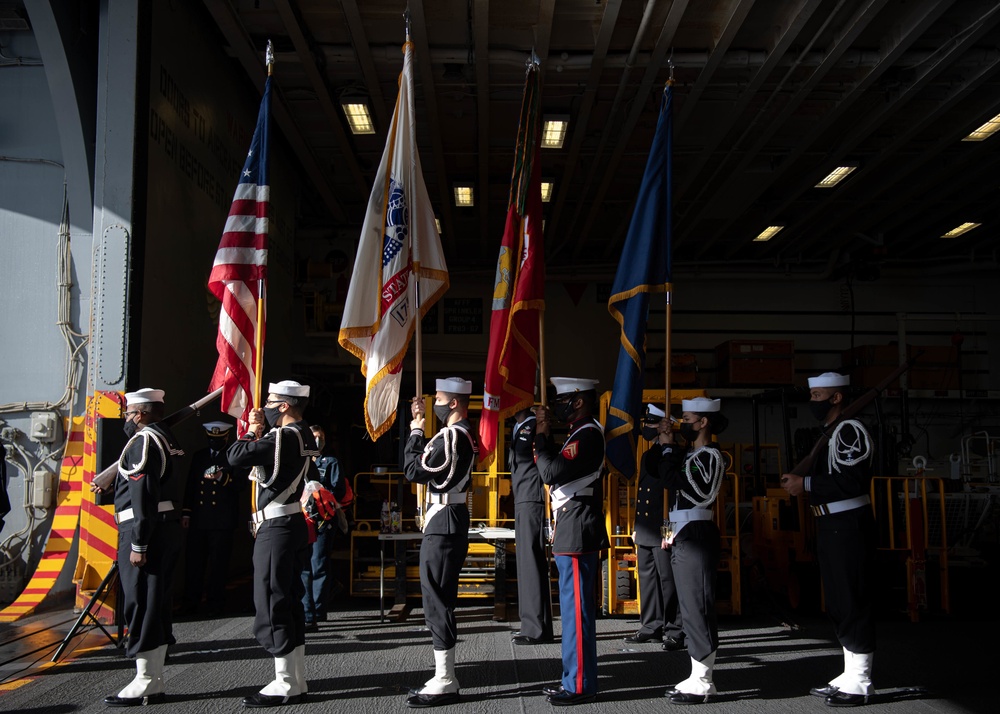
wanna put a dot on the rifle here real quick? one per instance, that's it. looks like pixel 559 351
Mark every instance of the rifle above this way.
pixel 103 480
pixel 803 467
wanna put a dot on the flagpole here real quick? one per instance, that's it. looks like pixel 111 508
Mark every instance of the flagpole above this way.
pixel 669 290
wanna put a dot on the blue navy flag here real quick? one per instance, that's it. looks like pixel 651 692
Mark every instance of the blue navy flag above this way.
pixel 644 268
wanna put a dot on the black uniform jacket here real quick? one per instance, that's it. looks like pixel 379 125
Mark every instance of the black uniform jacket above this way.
pixel 579 523
pixel 524 478
pixel 145 466
pixel 261 452
pixel 213 505
pixel 649 513
pixel 454 518
pixel 670 464
pixel 827 485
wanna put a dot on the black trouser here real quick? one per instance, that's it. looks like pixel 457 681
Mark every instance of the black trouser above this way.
pixel 211 549
pixel 694 558
pixel 533 588
pixel 441 559
pixel 280 549
pixel 845 548
pixel 146 590
pixel 657 592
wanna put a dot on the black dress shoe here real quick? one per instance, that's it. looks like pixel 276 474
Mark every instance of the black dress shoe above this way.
pixel 842 699
pixel 422 701
pixel 525 640
pixel 267 700
pixel 827 691
pixel 640 637
pixel 115 701
pixel 685 698
pixel 569 699
pixel 672 644
pixel 550 689
pixel 671 691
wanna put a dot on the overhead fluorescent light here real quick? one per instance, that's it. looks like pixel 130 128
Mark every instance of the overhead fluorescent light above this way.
pixel 464 196
pixel 767 234
pixel 959 230
pixel 554 132
pixel 985 131
pixel 358 117
pixel 547 191
pixel 437 222
pixel 836 176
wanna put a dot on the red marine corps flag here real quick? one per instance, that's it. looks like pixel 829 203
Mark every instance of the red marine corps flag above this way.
pixel 399 271
pixel 239 275
pixel 519 290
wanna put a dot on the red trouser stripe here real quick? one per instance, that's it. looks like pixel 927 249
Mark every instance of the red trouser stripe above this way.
pixel 579 624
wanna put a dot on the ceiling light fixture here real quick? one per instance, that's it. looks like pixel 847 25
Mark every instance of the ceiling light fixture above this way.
pixel 464 196
pixel 959 230
pixel 547 191
pixel 554 131
pixel 985 131
pixel 358 117
pixel 437 222
pixel 767 234
pixel 836 176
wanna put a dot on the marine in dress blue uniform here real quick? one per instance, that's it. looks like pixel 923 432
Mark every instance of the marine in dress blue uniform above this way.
pixel 659 616
pixel 282 461
pixel 533 589
pixel 148 543
pixel 444 463
pixel 839 485
pixel 210 516
pixel 694 477
pixel 574 473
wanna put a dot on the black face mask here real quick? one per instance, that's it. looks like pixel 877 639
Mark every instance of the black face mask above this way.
pixel 563 409
pixel 217 444
pixel 130 428
pixel 820 409
pixel 442 412
pixel 688 431
pixel 649 433
pixel 271 416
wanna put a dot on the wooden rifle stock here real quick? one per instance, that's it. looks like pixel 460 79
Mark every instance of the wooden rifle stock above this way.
pixel 802 468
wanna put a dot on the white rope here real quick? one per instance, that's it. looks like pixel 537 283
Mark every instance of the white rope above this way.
pixel 841 453
pixel 714 481
pixel 450 438
pixel 146 435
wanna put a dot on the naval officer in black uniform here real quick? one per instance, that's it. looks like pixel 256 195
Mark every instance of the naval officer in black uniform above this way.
pixel 210 517
pixel 444 463
pixel 149 538
pixel 280 447
pixel 694 477
pixel 575 472
pixel 658 612
pixel 533 588
pixel 838 485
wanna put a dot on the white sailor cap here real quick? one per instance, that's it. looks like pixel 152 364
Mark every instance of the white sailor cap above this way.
pixel 217 428
pixel 288 388
pixel 654 412
pixel 453 385
pixel 144 396
pixel 571 385
pixel 829 379
pixel 701 405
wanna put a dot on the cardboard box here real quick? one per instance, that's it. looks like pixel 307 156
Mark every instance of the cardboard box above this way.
pixel 936 367
pixel 747 363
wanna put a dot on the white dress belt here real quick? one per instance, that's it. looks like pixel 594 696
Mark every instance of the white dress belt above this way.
pixel 848 504
pixel 447 498
pixel 275 510
pixel 690 514
pixel 128 514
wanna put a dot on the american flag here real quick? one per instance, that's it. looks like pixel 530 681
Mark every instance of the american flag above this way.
pixel 239 275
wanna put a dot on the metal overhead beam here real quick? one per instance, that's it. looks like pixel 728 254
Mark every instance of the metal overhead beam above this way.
pixel 608 21
pixel 360 42
pixel 481 13
pixel 418 28
pixel 236 35
pixel 543 30
pixel 318 83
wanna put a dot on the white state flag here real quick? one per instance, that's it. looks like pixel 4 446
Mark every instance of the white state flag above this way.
pixel 399 240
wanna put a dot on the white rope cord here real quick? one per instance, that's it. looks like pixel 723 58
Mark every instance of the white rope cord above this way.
pixel 146 435
pixel 714 481
pixel 841 453
pixel 450 438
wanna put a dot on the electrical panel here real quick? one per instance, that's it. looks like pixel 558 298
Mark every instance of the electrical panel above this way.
pixel 44 427
pixel 43 489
